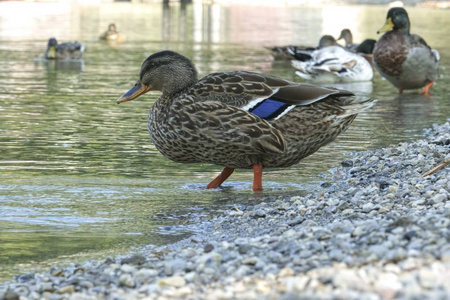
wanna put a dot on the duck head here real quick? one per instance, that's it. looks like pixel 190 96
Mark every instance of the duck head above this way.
pixel 327 41
pixel 347 36
pixel 165 71
pixel 51 48
pixel 397 19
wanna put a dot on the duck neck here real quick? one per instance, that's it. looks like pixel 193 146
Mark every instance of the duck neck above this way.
pixel 178 80
pixel 166 101
pixel 403 25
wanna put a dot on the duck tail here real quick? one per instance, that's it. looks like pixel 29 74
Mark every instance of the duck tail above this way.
pixel 436 54
pixel 355 108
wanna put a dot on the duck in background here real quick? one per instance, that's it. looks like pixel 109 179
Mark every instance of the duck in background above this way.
pixel 297 52
pixel 64 51
pixel 333 65
pixel 112 34
pixel 365 47
pixel 404 59
pixel 238 119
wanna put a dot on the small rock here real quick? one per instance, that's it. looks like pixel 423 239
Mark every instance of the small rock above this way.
pixel 126 280
pixel 244 249
pixel 25 277
pixel 134 260
pixel 10 295
pixel 208 248
pixel 126 268
pixel 296 221
pixel 438 198
pixel 252 260
pixel 175 281
pixel 286 272
pixel 66 289
pixel 259 213
pixel 145 275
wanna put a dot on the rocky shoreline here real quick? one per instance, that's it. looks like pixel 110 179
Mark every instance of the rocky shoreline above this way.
pixel 380 231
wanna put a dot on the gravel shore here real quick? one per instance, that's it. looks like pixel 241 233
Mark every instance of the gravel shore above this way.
pixel 379 230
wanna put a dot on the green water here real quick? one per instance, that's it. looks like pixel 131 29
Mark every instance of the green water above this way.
pixel 80 178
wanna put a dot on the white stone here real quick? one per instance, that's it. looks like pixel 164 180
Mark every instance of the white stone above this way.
pixel 175 281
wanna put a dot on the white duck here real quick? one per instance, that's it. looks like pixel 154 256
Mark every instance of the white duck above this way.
pixel 334 64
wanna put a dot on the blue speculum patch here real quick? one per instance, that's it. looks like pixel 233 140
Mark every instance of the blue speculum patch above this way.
pixel 268 109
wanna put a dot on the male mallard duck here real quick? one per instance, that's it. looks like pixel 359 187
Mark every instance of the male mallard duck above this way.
pixel 72 50
pixel 238 119
pixel 404 59
pixel 289 52
pixel 334 64
pixel 365 47
pixel 112 34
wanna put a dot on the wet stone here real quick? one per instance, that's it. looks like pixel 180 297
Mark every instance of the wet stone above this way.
pixel 133 260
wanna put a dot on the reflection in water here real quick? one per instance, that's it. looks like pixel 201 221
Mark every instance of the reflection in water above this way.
pixel 79 173
pixel 74 65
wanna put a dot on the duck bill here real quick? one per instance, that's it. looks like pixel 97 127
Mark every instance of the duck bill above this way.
pixel 387 26
pixel 137 90
pixel 51 52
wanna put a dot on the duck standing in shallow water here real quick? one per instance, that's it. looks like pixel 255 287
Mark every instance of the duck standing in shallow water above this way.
pixel 238 119
pixel 404 59
pixel 72 50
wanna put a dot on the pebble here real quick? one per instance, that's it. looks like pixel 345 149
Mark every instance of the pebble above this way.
pixel 379 231
pixel 175 281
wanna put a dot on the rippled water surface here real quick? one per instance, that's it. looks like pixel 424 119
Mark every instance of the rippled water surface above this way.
pixel 79 175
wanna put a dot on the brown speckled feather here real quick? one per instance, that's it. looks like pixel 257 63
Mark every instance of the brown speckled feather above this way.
pixel 216 129
pixel 390 53
pixel 216 119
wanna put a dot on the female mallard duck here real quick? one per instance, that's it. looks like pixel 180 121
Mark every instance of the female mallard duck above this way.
pixel 289 52
pixel 404 59
pixel 238 119
pixel 366 47
pixel 72 50
pixel 334 64
pixel 112 34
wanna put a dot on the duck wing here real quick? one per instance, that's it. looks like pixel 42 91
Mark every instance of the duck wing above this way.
pixel 247 89
pixel 237 109
pixel 334 63
pixel 222 126
pixel 418 41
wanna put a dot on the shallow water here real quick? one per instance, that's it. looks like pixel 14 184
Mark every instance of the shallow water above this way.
pixel 79 176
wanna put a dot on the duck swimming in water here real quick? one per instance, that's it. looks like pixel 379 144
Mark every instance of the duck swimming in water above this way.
pixel 112 34
pixel 71 50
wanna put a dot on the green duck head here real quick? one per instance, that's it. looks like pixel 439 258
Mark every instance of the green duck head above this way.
pixel 397 19
pixel 165 71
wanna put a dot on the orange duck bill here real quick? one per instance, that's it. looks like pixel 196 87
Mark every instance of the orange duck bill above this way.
pixel 137 90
